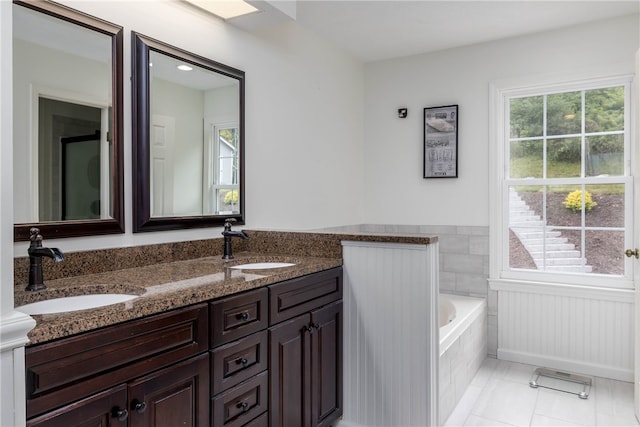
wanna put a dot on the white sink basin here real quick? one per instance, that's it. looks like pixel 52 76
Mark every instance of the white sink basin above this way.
pixel 263 265
pixel 81 302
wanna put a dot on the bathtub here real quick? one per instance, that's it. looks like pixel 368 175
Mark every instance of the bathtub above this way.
pixel 463 347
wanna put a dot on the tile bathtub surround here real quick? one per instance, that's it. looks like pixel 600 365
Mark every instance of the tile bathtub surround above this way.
pixel 459 364
pixel 463 253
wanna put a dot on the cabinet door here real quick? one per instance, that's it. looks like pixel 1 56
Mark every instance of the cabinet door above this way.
pixel 326 363
pixel 174 396
pixel 105 409
pixel 290 373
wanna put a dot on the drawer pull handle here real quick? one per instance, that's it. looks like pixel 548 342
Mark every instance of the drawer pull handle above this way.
pixel 243 316
pixel 120 414
pixel 242 361
pixel 138 406
pixel 242 405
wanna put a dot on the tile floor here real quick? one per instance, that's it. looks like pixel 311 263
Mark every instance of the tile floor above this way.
pixel 499 395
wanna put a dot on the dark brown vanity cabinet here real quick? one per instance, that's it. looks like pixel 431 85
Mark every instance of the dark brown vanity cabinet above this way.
pixel 305 339
pixel 268 357
pixel 239 377
pixel 147 372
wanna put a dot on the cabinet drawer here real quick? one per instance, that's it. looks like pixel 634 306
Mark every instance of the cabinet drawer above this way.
pixel 239 405
pixel 237 361
pixel 261 421
pixel 297 296
pixel 238 316
pixel 93 410
pixel 63 371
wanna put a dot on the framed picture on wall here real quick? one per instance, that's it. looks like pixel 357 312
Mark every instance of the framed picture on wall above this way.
pixel 441 142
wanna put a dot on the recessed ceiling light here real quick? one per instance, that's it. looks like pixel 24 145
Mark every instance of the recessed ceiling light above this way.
pixel 225 9
pixel 183 67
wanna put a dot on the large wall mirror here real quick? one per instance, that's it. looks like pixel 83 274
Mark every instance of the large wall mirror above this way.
pixel 188 138
pixel 67 122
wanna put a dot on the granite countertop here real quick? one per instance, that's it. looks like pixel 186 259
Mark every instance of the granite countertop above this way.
pixel 170 276
pixel 161 287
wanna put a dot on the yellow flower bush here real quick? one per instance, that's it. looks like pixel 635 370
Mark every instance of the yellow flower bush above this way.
pixel 573 201
pixel 231 197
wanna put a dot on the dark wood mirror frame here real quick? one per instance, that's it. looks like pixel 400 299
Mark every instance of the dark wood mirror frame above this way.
pixel 91 227
pixel 142 220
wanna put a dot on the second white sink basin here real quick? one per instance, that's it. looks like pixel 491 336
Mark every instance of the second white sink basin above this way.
pixel 263 265
pixel 80 302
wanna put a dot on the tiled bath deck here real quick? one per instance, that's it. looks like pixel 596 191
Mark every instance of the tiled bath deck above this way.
pixel 499 395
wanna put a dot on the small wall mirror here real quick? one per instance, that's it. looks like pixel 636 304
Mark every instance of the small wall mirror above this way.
pixel 188 141
pixel 67 122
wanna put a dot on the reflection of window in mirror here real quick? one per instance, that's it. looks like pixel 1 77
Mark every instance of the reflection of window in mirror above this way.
pixel 226 186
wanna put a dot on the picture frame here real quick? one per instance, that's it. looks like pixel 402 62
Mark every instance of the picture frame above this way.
pixel 440 142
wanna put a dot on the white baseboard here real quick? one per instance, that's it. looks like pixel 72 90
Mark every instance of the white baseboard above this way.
pixel 574 366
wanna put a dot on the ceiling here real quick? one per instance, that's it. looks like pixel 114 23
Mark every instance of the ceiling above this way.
pixel 373 30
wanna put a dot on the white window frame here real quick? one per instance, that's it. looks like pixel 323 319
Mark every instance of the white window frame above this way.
pixel 212 167
pixel 499 130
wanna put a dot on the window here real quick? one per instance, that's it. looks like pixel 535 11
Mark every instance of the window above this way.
pixel 222 189
pixel 564 185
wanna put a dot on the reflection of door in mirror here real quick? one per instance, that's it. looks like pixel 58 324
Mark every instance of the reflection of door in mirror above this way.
pixel 62 90
pixel 69 160
pixel 163 130
pixel 81 177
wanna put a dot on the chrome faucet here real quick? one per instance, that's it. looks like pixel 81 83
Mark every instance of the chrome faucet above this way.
pixel 36 252
pixel 228 234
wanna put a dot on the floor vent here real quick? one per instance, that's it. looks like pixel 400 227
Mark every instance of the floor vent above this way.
pixel 561 381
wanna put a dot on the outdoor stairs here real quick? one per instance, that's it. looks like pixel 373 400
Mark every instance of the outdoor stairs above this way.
pixel 549 250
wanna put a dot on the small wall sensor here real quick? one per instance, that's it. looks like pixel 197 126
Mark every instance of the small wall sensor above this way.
pixel 402 113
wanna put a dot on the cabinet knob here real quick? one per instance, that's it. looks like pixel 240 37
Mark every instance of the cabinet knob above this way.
pixel 242 405
pixel 241 361
pixel 138 406
pixel 243 316
pixel 120 414
pixel 316 325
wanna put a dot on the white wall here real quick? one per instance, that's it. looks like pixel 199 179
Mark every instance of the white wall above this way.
pixel 53 73
pixel 186 107
pixel 395 191
pixel 304 119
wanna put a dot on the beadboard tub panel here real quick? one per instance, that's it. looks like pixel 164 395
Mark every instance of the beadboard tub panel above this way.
pixel 390 333
pixel 567 328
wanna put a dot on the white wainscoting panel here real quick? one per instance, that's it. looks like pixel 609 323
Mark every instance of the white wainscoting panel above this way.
pixel 572 328
pixel 390 333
